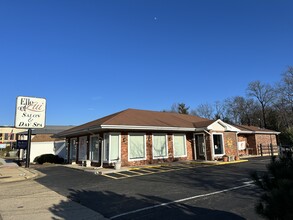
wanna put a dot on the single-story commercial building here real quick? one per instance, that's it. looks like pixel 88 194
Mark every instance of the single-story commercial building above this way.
pixel 256 141
pixel 137 137
pixel 43 141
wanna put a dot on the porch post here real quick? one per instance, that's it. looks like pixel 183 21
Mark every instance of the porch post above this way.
pixel 102 151
pixel 194 147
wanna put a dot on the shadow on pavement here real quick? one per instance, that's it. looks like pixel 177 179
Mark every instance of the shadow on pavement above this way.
pixel 112 205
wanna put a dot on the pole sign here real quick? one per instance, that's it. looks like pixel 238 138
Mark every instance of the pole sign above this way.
pixel 30 112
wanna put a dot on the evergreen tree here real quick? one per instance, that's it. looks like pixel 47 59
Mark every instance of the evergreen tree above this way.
pixel 277 200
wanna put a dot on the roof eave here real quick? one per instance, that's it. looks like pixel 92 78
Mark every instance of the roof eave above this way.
pixel 81 131
pixel 152 128
pixel 259 132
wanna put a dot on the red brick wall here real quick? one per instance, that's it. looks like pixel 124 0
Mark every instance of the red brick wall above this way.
pixel 254 140
pixel 266 139
pixel 149 150
pixel 208 147
pixel 124 149
pixel 230 143
pixel 189 147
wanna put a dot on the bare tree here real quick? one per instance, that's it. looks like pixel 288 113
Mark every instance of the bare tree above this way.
pixel 241 110
pixel 219 110
pixel 264 93
pixel 204 110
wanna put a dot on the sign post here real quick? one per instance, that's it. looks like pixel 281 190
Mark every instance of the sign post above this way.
pixel 30 113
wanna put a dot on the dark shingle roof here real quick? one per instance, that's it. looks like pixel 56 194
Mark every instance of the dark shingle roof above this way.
pixel 253 129
pixel 134 117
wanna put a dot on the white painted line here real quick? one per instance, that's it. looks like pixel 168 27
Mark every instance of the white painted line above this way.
pixel 247 184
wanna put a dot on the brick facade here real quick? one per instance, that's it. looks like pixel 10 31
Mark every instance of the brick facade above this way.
pixel 253 142
pixel 208 147
pixel 149 150
pixel 230 143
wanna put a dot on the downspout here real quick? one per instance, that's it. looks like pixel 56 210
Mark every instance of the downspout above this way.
pixel 205 146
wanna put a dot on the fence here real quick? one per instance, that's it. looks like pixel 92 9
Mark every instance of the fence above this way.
pixel 268 150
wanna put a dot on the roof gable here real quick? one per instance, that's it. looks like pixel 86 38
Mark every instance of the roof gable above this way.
pixel 219 125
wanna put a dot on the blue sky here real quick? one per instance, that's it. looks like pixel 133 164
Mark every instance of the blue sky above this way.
pixel 91 58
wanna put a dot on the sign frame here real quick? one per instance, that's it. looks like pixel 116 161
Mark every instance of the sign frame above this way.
pixel 30 112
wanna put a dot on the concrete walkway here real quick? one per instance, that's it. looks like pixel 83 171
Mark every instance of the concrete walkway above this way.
pixel 29 200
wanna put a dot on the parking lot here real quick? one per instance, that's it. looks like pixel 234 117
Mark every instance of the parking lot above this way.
pixel 183 192
pixel 135 172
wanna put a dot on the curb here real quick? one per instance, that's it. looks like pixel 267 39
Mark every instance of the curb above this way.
pixel 19 174
pixel 220 163
pixel 33 173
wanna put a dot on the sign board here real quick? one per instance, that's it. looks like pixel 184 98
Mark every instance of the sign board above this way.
pixel 21 144
pixel 2 146
pixel 30 112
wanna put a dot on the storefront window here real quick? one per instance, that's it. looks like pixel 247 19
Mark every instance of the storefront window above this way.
pixel 218 143
pixel 112 147
pixel 160 146
pixel 136 147
pixel 179 145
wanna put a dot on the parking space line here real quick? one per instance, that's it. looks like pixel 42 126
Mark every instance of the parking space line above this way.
pixel 245 184
pixel 147 171
pixel 113 177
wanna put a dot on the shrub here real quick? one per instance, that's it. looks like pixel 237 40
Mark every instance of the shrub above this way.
pixel 49 158
pixel 276 202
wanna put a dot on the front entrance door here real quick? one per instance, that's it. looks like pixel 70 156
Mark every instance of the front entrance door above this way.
pixel 200 146
pixel 95 149
pixel 72 149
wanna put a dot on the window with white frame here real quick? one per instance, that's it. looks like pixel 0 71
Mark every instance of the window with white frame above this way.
pixel 112 147
pixel 218 144
pixel 160 148
pixel 136 146
pixel 179 145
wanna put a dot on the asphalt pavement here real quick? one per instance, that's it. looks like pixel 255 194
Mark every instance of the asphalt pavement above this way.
pixel 22 198
pixel 200 192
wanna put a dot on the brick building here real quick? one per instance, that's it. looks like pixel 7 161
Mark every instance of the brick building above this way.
pixel 255 140
pixel 136 137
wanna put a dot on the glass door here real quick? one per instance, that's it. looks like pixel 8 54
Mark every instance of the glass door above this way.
pixel 94 149
pixel 200 146
pixel 72 149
